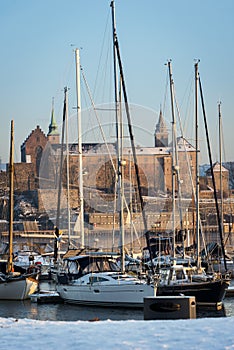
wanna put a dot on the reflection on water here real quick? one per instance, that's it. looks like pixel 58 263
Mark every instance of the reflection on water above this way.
pixel 26 309
pixel 66 312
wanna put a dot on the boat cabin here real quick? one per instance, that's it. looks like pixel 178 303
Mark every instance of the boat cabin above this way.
pixel 77 266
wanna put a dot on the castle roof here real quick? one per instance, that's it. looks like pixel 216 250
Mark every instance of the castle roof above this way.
pixel 183 145
pixel 37 129
pixel 216 168
pixel 161 126
pixel 53 127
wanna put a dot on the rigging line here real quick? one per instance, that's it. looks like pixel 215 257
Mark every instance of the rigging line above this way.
pixel 88 122
pixel 222 137
pixel 223 149
pixel 130 130
pixel 215 145
pixel 188 165
pixel 104 80
pixel 61 165
pixel 114 223
pixel 131 133
pixel 89 119
pixel 67 170
pixel 188 108
pixel 102 49
pixel 56 233
pixel 98 120
pixel 132 223
pixel 176 168
pixel 85 103
pixel 188 88
pixel 166 93
pixel 183 138
pixel 104 109
pixel 117 53
pixel 65 77
pixel 212 174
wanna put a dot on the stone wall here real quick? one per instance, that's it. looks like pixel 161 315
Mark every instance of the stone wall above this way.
pixel 24 177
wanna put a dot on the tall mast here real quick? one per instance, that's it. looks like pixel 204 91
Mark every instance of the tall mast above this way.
pixel 119 137
pixel 11 200
pixel 57 225
pixel 175 168
pixel 130 200
pixel 117 50
pixel 77 59
pixel 68 173
pixel 213 178
pixel 197 167
pixel 220 164
pixel 173 156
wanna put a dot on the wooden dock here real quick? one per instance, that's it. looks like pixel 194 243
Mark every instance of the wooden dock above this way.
pixel 230 291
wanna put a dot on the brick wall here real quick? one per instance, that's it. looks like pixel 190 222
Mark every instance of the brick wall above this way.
pixel 33 147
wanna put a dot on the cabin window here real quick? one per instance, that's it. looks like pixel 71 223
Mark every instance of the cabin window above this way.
pixel 73 267
pixel 96 279
pixel 103 265
pixel 180 275
pixel 114 266
pixel 92 267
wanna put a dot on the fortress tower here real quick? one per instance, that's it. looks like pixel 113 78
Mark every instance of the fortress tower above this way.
pixel 161 133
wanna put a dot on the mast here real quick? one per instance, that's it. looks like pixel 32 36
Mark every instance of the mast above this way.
pixel 130 200
pixel 68 172
pixel 78 108
pixel 11 200
pixel 197 167
pixel 119 137
pixel 220 164
pixel 213 178
pixel 173 157
pixel 57 225
pixel 175 168
pixel 117 50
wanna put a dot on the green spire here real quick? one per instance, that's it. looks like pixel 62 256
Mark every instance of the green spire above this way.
pixel 53 127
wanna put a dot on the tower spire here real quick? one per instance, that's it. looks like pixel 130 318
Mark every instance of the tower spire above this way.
pixel 161 132
pixel 53 134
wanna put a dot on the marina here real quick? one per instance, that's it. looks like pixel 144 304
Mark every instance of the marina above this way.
pixel 55 310
pixel 66 312
pixel 117 234
pixel 117 195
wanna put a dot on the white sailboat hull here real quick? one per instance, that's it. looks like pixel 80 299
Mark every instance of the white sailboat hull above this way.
pixel 17 288
pixel 125 294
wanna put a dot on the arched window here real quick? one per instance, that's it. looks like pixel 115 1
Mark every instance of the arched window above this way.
pixel 39 151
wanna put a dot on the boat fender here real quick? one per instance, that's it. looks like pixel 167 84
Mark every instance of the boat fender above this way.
pixel 165 307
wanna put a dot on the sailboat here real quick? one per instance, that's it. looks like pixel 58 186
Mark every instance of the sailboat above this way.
pixel 13 285
pixel 96 278
pixel 193 280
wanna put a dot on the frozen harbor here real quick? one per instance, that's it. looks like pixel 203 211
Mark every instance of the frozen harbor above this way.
pixel 214 333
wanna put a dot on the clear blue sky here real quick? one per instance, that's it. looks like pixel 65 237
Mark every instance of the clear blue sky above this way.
pixel 37 59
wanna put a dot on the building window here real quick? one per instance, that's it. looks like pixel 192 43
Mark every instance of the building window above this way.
pixel 39 151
